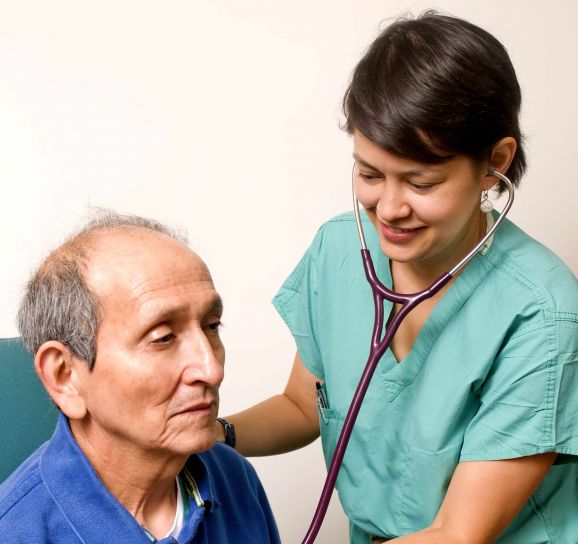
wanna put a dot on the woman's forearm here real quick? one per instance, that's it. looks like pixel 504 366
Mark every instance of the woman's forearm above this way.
pixel 428 536
pixel 276 425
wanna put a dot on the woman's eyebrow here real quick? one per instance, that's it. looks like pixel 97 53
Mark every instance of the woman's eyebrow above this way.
pixel 364 162
pixel 426 169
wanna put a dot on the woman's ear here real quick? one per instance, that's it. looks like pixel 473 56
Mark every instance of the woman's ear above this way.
pixel 501 157
pixel 57 369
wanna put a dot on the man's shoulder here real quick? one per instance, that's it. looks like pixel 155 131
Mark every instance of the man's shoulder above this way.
pixel 243 510
pixel 228 469
pixel 223 462
pixel 23 491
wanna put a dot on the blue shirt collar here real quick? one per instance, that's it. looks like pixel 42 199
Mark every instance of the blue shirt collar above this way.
pixel 92 511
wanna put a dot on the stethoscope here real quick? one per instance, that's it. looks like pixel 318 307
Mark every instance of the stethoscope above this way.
pixel 379 345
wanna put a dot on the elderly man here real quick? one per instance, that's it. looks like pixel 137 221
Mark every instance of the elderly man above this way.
pixel 123 321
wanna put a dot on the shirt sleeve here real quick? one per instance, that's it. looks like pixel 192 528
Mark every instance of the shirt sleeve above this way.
pixel 529 400
pixel 296 304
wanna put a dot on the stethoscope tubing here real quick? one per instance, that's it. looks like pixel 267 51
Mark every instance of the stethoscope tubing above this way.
pixel 379 345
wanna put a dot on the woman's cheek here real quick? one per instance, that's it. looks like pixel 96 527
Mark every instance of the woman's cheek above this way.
pixel 368 195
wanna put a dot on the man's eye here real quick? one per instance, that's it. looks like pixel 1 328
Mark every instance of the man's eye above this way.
pixel 166 339
pixel 215 326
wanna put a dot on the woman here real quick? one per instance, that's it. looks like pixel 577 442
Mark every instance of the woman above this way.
pixel 469 430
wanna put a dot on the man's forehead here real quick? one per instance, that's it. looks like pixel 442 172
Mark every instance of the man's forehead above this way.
pixel 139 261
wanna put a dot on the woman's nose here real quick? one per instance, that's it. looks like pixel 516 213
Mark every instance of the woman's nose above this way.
pixel 392 203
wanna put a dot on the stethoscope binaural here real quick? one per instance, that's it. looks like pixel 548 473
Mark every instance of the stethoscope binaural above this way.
pixel 380 345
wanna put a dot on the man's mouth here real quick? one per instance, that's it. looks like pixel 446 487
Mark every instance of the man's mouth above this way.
pixel 198 407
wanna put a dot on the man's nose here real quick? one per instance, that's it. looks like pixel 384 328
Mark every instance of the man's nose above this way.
pixel 204 360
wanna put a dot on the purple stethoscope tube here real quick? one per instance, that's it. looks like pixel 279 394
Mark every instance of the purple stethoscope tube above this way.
pixel 379 346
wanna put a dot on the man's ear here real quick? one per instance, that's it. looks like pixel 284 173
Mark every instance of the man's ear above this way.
pixel 58 371
pixel 500 159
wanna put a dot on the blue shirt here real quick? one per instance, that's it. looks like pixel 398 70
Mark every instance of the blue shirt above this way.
pixel 55 496
pixel 493 374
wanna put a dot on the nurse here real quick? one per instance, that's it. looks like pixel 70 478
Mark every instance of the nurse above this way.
pixel 469 430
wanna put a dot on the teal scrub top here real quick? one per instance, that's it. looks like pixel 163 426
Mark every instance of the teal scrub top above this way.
pixel 493 374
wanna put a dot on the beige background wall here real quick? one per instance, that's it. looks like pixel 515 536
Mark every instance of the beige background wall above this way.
pixel 222 117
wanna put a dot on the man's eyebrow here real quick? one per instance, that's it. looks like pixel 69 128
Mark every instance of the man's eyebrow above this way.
pixel 159 314
pixel 215 306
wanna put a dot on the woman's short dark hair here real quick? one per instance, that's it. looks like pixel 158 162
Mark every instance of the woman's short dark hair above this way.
pixel 435 87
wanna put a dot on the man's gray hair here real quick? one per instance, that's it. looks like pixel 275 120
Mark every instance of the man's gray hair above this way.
pixel 58 304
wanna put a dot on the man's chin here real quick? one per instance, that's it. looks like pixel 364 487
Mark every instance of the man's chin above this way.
pixel 196 441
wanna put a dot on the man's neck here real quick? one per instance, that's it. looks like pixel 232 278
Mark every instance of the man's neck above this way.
pixel 143 482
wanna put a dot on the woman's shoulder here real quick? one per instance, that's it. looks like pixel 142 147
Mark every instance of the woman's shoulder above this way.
pixel 534 268
pixel 339 235
pixel 342 223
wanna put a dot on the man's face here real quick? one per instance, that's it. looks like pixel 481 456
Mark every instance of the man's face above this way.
pixel 159 360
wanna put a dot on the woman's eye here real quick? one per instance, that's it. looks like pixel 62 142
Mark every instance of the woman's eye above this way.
pixel 419 186
pixel 368 177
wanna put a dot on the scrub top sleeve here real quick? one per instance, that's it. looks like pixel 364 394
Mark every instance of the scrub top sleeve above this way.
pixel 296 304
pixel 529 400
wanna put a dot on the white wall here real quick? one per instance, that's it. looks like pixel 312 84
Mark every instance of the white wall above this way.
pixel 222 117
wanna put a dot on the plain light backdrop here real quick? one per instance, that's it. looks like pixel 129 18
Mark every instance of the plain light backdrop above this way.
pixel 223 118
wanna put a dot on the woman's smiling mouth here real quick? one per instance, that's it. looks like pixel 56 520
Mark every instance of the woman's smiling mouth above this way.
pixel 398 234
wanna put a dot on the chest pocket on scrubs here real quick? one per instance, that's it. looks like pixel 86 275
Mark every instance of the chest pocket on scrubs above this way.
pixel 329 424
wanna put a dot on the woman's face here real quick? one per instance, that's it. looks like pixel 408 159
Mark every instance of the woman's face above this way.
pixel 427 215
